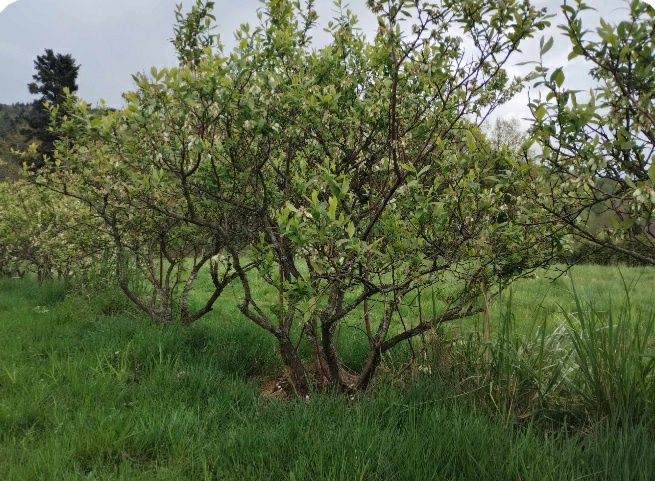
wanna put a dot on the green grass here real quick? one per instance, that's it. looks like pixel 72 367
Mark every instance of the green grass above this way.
pixel 601 286
pixel 90 390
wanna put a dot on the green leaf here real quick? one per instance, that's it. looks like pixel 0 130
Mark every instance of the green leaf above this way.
pixel 575 52
pixel 470 141
pixel 545 47
pixel 558 77
pixel 408 167
pixel 568 9
pixel 332 207
pixel 350 229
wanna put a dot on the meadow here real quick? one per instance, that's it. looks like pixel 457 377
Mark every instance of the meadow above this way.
pixel 91 390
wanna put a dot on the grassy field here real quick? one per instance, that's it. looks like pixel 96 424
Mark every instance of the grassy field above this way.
pixel 90 390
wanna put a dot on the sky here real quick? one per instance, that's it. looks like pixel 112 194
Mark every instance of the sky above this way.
pixel 113 39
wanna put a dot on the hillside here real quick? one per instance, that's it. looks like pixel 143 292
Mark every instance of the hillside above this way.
pixel 13 120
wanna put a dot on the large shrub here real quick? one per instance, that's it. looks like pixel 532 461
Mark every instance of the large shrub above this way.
pixel 349 179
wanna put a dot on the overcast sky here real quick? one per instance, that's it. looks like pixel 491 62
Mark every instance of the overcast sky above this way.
pixel 113 39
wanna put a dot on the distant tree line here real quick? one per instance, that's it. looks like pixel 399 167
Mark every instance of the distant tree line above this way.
pixel 13 123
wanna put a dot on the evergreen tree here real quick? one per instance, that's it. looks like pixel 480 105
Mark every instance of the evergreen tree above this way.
pixel 55 75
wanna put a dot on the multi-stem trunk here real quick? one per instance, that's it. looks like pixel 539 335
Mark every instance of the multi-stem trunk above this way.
pixel 293 364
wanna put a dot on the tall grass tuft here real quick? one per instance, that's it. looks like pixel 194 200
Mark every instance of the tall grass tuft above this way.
pixel 614 356
pixel 584 365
